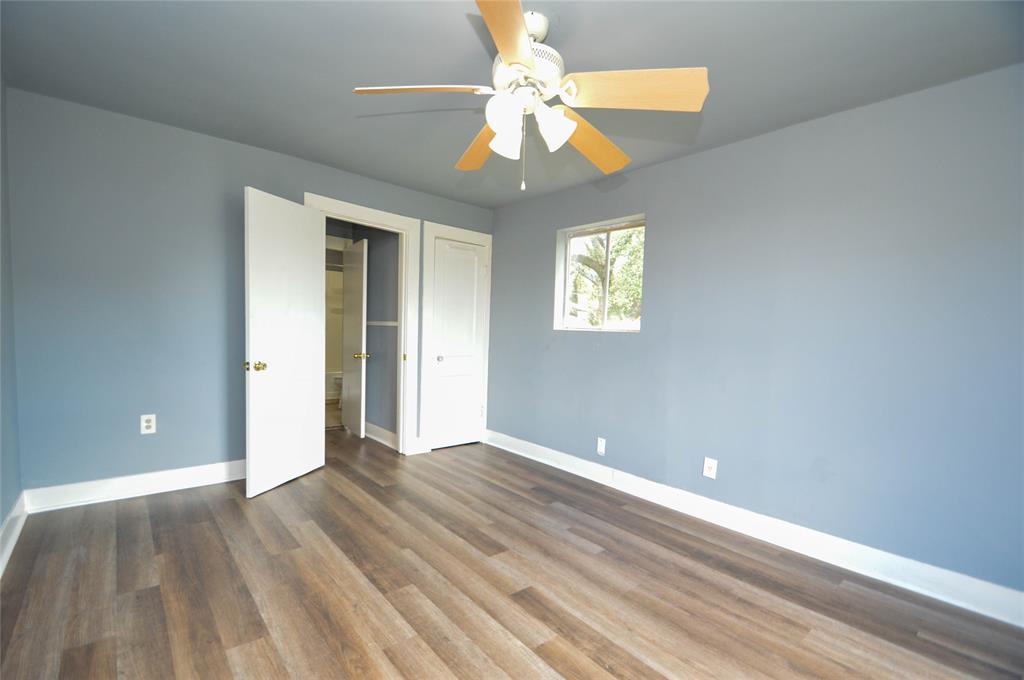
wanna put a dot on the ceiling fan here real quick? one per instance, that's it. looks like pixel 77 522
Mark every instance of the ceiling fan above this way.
pixel 527 74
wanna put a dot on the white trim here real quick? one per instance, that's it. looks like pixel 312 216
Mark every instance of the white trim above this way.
pixel 408 229
pixel 431 232
pixel 983 597
pixel 379 434
pixel 11 529
pixel 382 323
pixel 115 488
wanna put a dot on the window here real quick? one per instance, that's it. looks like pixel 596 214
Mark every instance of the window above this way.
pixel 599 276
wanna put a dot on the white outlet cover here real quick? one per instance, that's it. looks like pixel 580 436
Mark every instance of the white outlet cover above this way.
pixel 600 446
pixel 711 467
pixel 147 423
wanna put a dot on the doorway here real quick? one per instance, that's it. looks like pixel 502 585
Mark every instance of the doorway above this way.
pixel 362 330
pixel 400 321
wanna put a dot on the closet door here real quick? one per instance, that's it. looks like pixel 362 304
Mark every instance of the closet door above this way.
pixel 353 334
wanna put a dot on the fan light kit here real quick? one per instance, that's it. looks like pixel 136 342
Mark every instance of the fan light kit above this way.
pixel 527 74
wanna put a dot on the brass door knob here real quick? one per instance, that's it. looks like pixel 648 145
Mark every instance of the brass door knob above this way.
pixel 360 355
pixel 259 366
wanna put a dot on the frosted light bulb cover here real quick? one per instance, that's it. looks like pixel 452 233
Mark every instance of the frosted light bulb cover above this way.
pixel 508 144
pixel 503 113
pixel 555 128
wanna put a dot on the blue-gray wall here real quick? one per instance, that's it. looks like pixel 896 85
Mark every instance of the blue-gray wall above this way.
pixel 10 468
pixel 833 310
pixel 128 283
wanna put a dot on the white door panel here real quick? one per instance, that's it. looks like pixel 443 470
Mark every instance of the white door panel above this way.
pixel 284 330
pixel 459 342
pixel 353 334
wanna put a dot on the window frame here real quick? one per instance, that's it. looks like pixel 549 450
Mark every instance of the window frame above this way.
pixel 562 238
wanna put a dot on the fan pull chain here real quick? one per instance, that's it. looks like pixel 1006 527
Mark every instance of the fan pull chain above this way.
pixel 522 152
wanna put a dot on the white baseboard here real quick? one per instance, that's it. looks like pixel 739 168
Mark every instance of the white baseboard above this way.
pixel 989 599
pixel 385 437
pixel 116 488
pixel 11 530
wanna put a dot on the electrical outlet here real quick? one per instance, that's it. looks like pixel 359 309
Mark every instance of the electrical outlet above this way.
pixel 147 423
pixel 600 446
pixel 711 467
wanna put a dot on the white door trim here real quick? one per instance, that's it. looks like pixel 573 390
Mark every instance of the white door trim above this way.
pixel 408 230
pixel 431 231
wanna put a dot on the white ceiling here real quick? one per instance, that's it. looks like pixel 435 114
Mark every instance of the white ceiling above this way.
pixel 279 74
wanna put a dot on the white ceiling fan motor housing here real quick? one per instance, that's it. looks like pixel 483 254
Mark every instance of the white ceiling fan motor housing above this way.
pixel 546 75
pixel 548 69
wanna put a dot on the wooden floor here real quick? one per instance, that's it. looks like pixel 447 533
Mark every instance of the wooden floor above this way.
pixel 467 562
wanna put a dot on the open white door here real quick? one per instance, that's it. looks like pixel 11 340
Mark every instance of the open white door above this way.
pixel 353 338
pixel 456 310
pixel 284 340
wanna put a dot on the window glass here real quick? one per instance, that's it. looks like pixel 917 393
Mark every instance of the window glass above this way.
pixel 603 279
pixel 585 281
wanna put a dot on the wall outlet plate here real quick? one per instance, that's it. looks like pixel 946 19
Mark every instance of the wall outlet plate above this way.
pixel 147 423
pixel 711 467
pixel 600 446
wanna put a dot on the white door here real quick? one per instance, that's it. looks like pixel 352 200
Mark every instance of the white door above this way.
pixel 284 340
pixel 459 304
pixel 353 338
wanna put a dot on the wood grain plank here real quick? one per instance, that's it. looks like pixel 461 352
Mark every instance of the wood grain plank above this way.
pixel 14 584
pixel 452 645
pixel 415 659
pixel 507 651
pixel 136 556
pixel 571 662
pixel 93 598
pixel 38 636
pixel 196 647
pixel 208 560
pixel 257 660
pixel 93 661
pixel 143 645
pixel 605 653
pixel 169 511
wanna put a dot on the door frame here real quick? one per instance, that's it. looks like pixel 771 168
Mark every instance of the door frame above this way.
pixel 408 230
pixel 431 231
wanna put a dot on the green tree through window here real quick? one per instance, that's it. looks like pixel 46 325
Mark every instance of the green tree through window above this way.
pixel 604 279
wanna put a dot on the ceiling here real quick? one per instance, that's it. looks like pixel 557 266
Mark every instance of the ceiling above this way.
pixel 279 75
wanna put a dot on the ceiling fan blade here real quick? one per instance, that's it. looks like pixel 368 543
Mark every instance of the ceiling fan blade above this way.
pixel 504 19
pixel 653 89
pixel 597 148
pixel 402 89
pixel 478 152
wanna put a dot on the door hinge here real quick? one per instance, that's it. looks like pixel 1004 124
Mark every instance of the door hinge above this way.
pixel 405 357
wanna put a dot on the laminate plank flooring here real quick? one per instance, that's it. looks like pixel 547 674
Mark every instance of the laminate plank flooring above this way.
pixel 466 563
